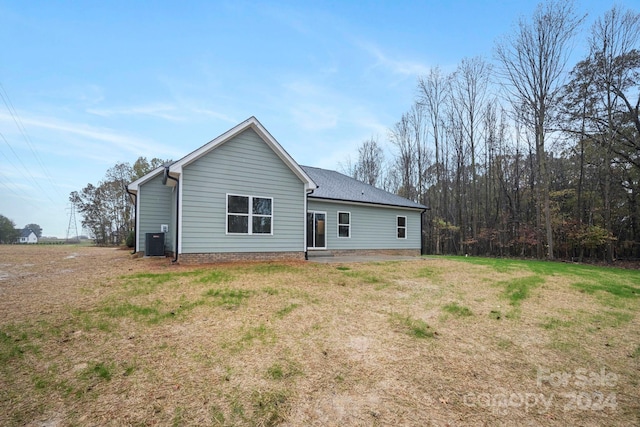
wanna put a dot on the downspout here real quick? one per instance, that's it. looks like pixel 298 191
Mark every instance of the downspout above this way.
pixel 135 216
pixel 422 236
pixel 175 257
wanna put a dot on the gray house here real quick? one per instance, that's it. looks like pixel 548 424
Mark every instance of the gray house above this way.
pixel 242 197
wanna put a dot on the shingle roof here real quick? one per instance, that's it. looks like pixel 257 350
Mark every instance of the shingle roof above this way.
pixel 333 185
pixel 25 232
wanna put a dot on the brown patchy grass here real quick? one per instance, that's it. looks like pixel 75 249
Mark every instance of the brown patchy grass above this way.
pixel 91 336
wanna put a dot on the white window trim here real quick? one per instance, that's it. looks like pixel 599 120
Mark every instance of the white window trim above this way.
pixel 249 215
pixel 339 224
pixel 406 228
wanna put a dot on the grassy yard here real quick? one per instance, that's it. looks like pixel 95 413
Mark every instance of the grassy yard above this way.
pixel 90 336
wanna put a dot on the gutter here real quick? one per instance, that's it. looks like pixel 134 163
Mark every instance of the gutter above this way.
pixel 166 174
pixel 358 202
pixel 135 216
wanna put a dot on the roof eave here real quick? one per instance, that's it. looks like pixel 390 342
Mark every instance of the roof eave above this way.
pixel 360 202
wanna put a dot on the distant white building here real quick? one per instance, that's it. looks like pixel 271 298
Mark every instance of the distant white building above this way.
pixel 27 236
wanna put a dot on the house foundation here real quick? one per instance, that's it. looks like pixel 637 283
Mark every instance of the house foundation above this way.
pixel 208 258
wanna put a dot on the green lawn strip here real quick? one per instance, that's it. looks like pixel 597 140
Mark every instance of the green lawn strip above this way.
pixel 610 285
pixel 228 298
pixel 247 336
pixel 432 273
pixel 270 407
pixel 13 345
pixel 271 268
pixel 547 268
pixel 457 310
pixel 363 276
pixel 551 323
pixel 516 290
pixel 151 313
pixel 416 328
pixel 286 310
pixel 147 283
pixel 283 370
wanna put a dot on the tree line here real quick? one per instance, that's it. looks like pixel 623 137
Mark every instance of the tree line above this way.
pixel 525 155
pixel 106 208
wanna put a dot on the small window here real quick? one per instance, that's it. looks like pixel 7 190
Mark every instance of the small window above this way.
pixel 402 227
pixel 242 220
pixel 344 224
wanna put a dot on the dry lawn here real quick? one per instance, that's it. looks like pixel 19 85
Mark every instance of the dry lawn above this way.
pixel 92 336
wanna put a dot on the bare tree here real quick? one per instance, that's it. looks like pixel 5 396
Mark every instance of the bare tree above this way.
pixel 533 61
pixel 349 168
pixel 455 141
pixel 421 152
pixel 405 167
pixel 433 95
pixel 470 93
pixel 370 162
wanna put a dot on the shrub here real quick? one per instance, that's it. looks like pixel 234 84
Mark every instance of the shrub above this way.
pixel 131 238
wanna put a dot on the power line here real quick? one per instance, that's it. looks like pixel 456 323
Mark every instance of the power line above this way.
pixel 33 179
pixel 18 195
pixel 23 131
pixel 3 182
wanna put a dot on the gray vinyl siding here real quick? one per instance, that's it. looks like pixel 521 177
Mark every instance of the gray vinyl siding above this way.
pixel 372 227
pixel 155 210
pixel 244 165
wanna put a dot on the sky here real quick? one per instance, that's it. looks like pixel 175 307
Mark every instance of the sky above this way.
pixel 86 85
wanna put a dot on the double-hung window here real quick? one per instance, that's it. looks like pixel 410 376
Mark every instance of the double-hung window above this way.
pixel 344 224
pixel 401 225
pixel 249 214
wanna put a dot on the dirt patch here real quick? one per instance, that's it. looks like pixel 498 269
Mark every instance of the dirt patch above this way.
pixel 37 280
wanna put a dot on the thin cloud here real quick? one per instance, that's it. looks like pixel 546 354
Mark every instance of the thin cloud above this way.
pixel 314 118
pixel 127 143
pixel 161 111
pixel 311 106
pixel 215 115
pixel 396 66
pixel 297 21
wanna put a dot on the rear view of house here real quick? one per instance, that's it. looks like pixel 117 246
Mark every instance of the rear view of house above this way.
pixel 241 196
